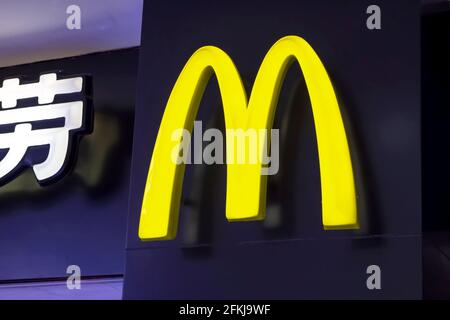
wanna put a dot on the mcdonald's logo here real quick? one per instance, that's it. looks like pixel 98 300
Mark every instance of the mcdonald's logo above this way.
pixel 246 186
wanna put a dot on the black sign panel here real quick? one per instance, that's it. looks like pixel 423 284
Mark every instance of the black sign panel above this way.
pixel 79 218
pixel 376 76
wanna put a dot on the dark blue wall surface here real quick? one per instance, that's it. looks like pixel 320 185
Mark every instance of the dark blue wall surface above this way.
pixel 436 154
pixel 82 218
pixel 376 75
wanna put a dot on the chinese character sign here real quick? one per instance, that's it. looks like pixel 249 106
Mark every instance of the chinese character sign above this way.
pixel 55 125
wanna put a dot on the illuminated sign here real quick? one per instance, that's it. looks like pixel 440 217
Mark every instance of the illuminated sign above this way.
pixel 54 125
pixel 246 186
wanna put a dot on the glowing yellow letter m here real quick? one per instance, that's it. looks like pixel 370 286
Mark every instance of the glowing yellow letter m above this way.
pixel 246 186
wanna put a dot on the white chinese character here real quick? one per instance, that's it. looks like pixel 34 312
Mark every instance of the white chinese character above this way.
pixel 24 135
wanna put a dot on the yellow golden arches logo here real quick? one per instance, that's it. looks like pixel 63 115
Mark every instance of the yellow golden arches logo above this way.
pixel 246 187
